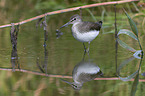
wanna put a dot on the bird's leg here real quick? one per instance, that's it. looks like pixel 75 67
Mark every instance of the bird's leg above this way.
pixel 88 48
pixel 84 47
pixel 84 55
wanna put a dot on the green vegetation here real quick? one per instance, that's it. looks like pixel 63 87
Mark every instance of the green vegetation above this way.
pixel 63 53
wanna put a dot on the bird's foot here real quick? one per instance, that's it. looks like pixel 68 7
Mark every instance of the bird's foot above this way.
pixel 86 51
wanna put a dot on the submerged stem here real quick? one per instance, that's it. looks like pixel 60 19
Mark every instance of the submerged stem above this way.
pixel 116 43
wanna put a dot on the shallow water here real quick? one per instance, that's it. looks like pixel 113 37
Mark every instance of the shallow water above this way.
pixel 33 69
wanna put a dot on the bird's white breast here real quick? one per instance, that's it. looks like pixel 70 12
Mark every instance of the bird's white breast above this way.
pixel 85 69
pixel 84 36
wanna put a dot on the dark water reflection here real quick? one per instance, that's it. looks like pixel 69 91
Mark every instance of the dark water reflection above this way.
pixel 33 54
pixel 14 56
pixel 83 72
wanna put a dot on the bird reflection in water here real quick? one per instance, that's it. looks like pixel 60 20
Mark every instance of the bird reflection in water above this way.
pixel 83 72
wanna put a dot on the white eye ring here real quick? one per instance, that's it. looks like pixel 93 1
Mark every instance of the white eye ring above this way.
pixel 73 19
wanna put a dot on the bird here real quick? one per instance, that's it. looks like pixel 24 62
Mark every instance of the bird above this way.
pixel 84 31
pixel 83 72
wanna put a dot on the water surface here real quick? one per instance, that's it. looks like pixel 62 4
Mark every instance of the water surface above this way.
pixel 60 56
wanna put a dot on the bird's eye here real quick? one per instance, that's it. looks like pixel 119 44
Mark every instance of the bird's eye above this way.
pixel 75 86
pixel 73 19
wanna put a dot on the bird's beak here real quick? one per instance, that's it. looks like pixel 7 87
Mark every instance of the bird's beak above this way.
pixel 67 82
pixel 65 25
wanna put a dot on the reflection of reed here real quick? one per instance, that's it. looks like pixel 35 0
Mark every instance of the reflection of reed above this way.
pixel 125 62
pixel 44 65
pixel 45 59
pixel 14 55
pixel 14 59
pixel 44 24
pixel 45 50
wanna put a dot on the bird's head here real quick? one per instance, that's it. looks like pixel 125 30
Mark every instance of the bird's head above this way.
pixel 74 19
pixel 75 86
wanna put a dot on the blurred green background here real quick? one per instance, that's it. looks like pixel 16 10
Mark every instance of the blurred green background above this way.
pixel 61 55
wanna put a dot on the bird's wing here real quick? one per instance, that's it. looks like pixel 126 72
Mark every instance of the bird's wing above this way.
pixel 87 26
